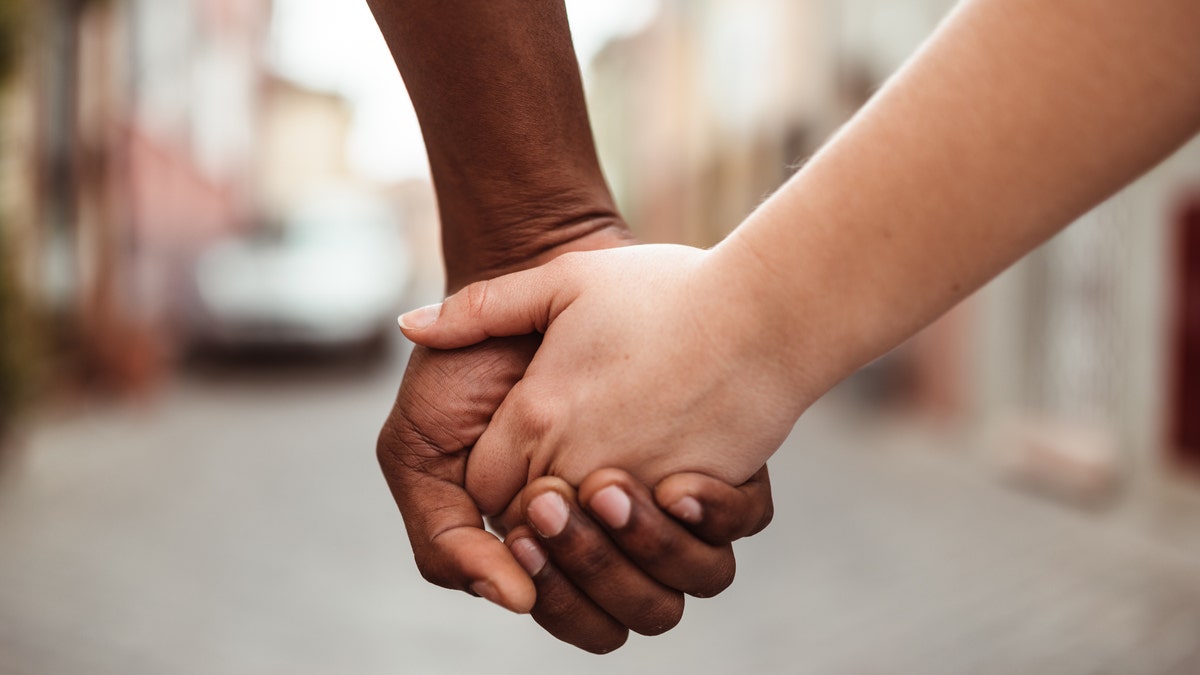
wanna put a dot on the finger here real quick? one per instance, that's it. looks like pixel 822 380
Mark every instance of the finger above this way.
pixel 514 304
pixel 584 554
pixel 561 608
pixel 498 466
pixel 651 539
pixel 422 451
pixel 452 549
pixel 714 510
pixel 510 518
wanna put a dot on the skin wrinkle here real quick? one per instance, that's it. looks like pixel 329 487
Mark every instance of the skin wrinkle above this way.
pixel 527 238
pixel 570 608
pixel 670 549
pixel 557 304
pixel 594 561
pixel 488 261
pixel 438 534
pixel 526 115
pixel 398 452
pixel 428 462
pixel 666 547
pixel 571 616
pixel 477 298
pixel 418 440
pixel 449 527
pixel 424 430
pixel 446 418
pixel 653 614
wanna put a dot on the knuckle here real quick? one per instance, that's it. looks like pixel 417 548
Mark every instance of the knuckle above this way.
pixel 552 608
pixel 567 615
pixel 601 478
pixel 608 643
pixel 591 560
pixel 659 547
pixel 725 526
pixel 567 260
pixel 583 632
pixel 537 415
pixel 477 298
pixel 388 448
pixel 719 578
pixel 659 614
pixel 394 449
pixel 405 454
pixel 567 267
pixel 768 515
pixel 433 573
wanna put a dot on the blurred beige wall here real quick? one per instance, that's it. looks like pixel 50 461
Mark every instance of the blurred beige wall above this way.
pixel 303 143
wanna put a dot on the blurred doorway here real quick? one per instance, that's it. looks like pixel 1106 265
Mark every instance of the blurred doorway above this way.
pixel 1186 425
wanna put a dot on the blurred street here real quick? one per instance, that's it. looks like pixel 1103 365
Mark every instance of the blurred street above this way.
pixel 238 524
pixel 202 201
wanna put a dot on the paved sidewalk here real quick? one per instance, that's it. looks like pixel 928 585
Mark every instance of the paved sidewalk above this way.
pixel 238 525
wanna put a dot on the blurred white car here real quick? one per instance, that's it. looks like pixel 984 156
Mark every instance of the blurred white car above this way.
pixel 333 273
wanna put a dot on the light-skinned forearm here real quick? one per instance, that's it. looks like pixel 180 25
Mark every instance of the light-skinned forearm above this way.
pixel 1018 116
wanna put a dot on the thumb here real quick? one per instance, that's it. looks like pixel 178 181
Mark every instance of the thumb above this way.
pixel 514 304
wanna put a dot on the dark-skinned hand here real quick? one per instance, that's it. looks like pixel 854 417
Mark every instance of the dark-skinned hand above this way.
pixel 598 581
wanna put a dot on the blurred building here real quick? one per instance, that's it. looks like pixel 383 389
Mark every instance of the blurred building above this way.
pixel 1091 343
pixel 287 169
pixel 1078 366
pixel 702 114
pixel 132 132
pixel 705 112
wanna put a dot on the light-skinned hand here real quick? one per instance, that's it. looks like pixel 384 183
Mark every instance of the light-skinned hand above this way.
pixel 645 365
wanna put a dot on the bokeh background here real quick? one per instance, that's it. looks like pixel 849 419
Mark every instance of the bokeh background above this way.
pixel 211 211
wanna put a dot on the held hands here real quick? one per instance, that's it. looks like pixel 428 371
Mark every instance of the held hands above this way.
pixel 536 193
pixel 597 578
pixel 588 583
pixel 652 361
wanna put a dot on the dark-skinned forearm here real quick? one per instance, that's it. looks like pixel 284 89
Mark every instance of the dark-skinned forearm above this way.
pixel 497 90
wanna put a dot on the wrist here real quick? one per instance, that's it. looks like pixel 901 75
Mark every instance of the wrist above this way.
pixel 535 241
pixel 785 332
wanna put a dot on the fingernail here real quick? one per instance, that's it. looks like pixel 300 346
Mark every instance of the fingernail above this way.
pixel 420 318
pixel 612 505
pixel 548 514
pixel 487 591
pixel 530 555
pixel 688 510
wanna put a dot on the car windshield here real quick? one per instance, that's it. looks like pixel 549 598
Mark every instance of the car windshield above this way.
pixel 334 223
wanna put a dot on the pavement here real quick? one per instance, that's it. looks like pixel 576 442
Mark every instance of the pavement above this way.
pixel 237 523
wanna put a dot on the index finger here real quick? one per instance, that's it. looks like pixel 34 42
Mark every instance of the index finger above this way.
pixel 422 452
pixel 715 511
